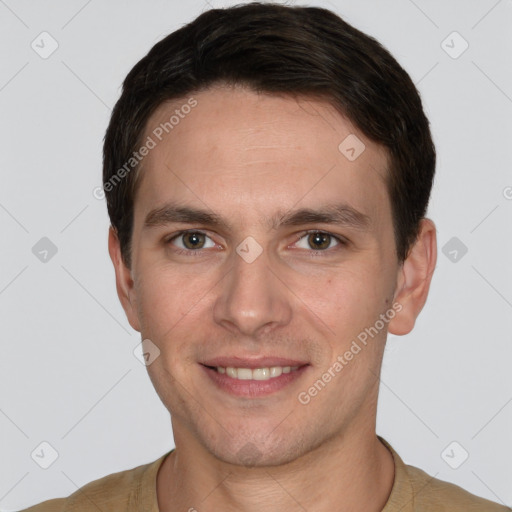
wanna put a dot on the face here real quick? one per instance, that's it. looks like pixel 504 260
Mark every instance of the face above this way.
pixel 260 254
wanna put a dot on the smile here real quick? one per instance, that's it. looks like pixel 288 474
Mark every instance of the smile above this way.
pixel 256 382
pixel 256 373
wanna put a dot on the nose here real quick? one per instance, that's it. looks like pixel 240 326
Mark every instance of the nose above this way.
pixel 252 300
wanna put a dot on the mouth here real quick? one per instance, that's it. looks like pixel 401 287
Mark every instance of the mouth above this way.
pixel 254 374
pixel 253 377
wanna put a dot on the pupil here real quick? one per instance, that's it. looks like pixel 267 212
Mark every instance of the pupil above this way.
pixel 193 240
pixel 319 240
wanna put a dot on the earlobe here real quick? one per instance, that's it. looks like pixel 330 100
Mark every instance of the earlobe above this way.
pixel 124 282
pixel 414 279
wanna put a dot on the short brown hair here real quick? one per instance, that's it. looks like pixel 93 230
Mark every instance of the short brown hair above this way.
pixel 306 51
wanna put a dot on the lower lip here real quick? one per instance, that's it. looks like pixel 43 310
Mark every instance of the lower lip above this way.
pixel 253 388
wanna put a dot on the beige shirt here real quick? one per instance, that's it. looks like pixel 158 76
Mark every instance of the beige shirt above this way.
pixel 134 490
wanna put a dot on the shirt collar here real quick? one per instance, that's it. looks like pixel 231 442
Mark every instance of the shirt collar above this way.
pixel 401 498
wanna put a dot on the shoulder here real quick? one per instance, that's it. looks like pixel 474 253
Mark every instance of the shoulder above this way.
pixel 414 490
pixel 117 492
pixel 48 506
pixel 433 494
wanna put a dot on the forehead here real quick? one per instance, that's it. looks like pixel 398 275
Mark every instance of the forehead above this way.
pixel 236 148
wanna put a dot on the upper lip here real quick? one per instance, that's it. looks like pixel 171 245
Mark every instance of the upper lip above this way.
pixel 253 362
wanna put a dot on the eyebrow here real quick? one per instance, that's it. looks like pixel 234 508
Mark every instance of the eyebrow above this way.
pixel 170 213
pixel 338 214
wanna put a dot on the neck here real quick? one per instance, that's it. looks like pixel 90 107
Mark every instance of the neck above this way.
pixel 346 473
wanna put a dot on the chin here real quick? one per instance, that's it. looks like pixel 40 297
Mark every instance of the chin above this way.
pixel 264 452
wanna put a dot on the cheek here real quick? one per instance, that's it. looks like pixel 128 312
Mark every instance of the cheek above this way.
pixel 345 301
pixel 168 299
pixel 171 314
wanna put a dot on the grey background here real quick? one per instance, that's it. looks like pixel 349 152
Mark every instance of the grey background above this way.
pixel 69 376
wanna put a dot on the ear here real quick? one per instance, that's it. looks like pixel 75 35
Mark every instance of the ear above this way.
pixel 414 279
pixel 124 281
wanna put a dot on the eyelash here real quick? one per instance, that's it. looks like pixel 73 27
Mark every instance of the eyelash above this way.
pixel 191 252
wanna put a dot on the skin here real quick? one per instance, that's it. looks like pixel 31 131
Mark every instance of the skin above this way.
pixel 248 158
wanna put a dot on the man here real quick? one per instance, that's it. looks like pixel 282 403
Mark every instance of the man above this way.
pixel 267 172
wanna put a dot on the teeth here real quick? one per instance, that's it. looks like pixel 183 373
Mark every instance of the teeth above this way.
pixel 260 373
pixel 257 373
pixel 275 371
pixel 243 373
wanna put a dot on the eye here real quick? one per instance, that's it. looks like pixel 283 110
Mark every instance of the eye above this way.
pixel 318 241
pixel 192 240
